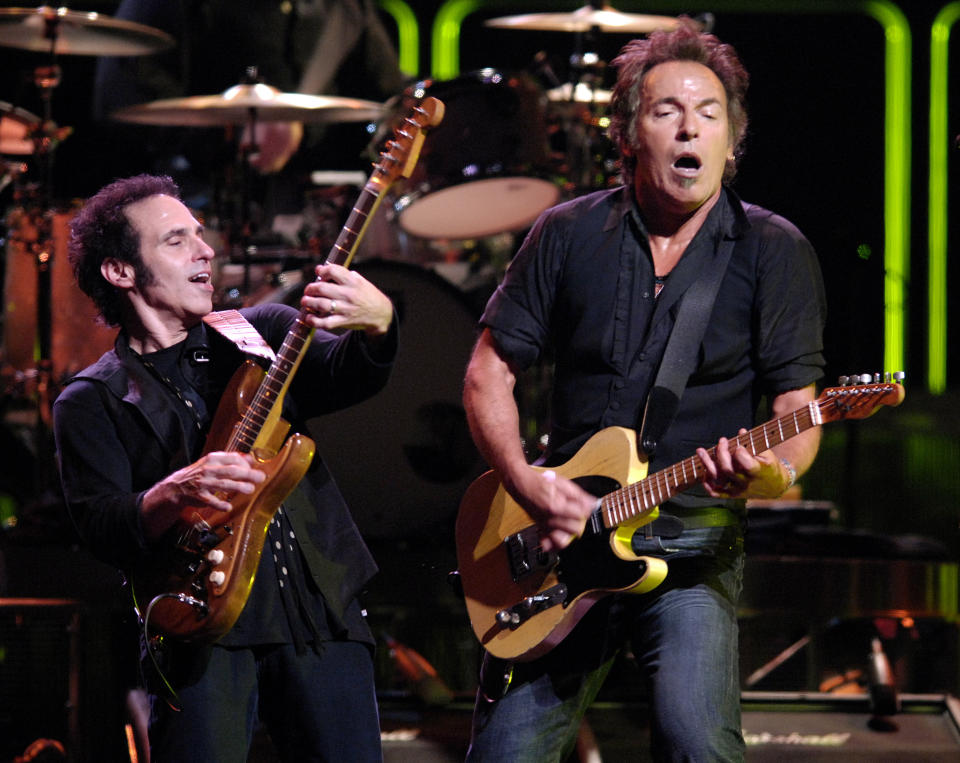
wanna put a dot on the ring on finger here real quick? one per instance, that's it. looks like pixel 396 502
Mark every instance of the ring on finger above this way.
pixel 333 307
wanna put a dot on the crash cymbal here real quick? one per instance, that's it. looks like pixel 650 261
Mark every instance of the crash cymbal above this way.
pixel 584 19
pixel 15 127
pixel 77 33
pixel 582 93
pixel 234 106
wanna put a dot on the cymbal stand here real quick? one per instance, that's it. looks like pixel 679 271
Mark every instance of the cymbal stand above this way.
pixel 586 69
pixel 247 149
pixel 38 201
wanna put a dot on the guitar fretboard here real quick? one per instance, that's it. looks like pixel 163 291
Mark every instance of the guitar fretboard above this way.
pixel 400 156
pixel 644 496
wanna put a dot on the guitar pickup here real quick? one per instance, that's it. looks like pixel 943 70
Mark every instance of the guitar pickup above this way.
pixel 518 614
pixel 524 555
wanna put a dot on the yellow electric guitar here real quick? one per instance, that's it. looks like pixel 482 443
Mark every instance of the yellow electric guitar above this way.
pixel 522 602
pixel 196 588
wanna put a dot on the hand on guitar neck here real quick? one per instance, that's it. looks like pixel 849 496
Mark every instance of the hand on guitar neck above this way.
pixel 736 472
pixel 342 299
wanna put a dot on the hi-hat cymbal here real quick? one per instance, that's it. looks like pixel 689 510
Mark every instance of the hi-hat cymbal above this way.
pixel 584 19
pixel 15 127
pixel 77 33
pixel 235 105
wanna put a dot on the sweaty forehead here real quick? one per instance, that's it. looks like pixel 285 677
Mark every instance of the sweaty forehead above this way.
pixel 683 79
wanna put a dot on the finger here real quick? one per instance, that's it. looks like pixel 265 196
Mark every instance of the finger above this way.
pixel 332 273
pixel 709 465
pixel 243 471
pixel 214 501
pixel 724 456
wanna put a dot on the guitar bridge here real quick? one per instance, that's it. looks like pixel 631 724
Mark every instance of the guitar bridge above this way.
pixel 524 555
pixel 515 616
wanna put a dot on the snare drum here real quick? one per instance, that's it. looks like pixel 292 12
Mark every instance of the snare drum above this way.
pixel 486 168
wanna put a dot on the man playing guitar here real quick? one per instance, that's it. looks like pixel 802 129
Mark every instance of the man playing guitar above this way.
pixel 600 281
pixel 130 432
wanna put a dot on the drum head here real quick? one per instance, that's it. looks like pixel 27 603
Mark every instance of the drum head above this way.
pixel 486 168
pixel 404 458
pixel 478 209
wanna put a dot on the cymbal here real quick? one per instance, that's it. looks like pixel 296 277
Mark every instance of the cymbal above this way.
pixel 234 106
pixel 584 19
pixel 582 93
pixel 15 126
pixel 77 33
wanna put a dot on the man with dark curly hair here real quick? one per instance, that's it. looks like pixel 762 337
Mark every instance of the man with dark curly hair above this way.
pixel 603 283
pixel 130 433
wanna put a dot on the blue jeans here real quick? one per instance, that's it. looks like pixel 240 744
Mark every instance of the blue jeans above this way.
pixel 684 637
pixel 316 707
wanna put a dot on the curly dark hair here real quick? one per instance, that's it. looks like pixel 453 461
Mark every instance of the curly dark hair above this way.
pixel 101 229
pixel 685 43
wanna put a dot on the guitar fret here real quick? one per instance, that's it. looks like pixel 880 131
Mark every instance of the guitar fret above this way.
pixel 815 414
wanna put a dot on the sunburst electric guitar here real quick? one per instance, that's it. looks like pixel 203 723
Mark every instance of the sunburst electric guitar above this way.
pixel 198 584
pixel 522 601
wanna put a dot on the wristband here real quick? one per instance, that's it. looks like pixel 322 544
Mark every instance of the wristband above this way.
pixel 791 474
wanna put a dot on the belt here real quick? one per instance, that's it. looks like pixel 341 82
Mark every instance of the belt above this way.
pixel 670 525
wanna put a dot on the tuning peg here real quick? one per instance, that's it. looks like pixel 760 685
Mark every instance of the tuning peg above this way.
pixel 899 376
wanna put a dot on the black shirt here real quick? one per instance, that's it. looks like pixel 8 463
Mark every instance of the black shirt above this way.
pixel 583 284
pixel 120 429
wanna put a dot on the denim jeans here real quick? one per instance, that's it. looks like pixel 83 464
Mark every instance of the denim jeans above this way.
pixel 316 707
pixel 684 637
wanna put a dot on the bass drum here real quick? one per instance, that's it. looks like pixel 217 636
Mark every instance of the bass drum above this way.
pixel 404 458
pixel 77 339
pixel 485 168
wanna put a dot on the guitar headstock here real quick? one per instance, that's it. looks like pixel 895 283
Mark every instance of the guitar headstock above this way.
pixel 859 396
pixel 401 153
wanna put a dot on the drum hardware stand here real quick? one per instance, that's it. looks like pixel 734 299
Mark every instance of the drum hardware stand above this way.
pixel 242 208
pixel 46 136
pixel 586 69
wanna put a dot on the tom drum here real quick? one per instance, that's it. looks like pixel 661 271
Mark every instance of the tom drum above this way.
pixel 485 169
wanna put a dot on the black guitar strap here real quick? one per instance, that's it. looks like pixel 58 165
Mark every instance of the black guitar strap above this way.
pixel 680 355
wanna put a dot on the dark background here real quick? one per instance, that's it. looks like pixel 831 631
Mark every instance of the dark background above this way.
pixel 814 154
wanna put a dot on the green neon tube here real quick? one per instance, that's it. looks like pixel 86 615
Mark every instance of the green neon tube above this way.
pixel 937 235
pixel 408 35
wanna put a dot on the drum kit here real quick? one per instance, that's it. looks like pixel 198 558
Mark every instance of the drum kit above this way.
pixel 511 145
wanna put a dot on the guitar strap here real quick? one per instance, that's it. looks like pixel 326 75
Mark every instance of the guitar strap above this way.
pixel 680 355
pixel 236 328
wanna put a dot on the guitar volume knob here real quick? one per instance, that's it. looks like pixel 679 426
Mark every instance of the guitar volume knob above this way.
pixel 215 556
pixel 217 577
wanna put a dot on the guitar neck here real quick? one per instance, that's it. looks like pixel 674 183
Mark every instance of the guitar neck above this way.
pixel 370 197
pixel 399 159
pixel 643 496
pixel 279 376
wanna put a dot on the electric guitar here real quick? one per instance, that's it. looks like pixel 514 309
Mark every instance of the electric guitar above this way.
pixel 199 583
pixel 523 601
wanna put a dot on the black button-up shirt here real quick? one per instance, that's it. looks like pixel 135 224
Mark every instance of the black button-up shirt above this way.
pixel 583 285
